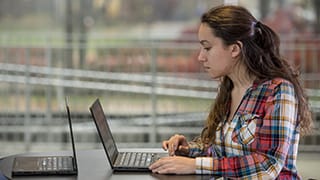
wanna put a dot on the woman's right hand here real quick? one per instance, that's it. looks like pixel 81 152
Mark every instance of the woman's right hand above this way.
pixel 176 145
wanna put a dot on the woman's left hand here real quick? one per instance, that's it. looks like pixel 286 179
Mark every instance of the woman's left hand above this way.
pixel 174 165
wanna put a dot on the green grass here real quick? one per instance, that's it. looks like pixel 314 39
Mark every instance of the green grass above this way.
pixel 113 102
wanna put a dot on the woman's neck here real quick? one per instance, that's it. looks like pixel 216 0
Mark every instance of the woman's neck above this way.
pixel 243 82
pixel 240 78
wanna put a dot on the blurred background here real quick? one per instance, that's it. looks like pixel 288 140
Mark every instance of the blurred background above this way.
pixel 138 56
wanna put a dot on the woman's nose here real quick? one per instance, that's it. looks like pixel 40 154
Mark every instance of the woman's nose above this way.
pixel 201 56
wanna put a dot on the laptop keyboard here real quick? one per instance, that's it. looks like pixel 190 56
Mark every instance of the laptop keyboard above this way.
pixel 137 159
pixel 55 163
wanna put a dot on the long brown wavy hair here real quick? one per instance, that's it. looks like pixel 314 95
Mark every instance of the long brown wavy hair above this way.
pixel 261 56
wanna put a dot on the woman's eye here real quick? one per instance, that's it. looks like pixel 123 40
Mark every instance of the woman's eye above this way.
pixel 207 48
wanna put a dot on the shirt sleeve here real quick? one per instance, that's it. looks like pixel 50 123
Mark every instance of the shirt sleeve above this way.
pixel 196 147
pixel 267 154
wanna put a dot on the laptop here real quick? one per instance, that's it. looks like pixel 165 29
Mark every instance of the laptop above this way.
pixel 120 161
pixel 47 165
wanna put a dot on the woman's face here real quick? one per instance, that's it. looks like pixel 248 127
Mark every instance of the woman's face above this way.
pixel 217 59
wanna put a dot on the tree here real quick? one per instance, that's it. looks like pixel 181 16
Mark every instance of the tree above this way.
pixel 85 21
pixel 264 8
pixel 316 6
pixel 69 37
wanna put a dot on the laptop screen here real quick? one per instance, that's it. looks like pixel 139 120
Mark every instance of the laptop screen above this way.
pixel 71 133
pixel 104 130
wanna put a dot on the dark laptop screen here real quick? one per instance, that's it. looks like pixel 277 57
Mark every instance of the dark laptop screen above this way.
pixel 71 134
pixel 104 130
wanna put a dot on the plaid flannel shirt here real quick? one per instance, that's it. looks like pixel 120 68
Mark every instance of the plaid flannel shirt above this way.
pixel 261 141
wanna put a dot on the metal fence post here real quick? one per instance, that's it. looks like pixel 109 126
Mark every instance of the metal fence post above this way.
pixel 48 56
pixel 153 129
pixel 27 120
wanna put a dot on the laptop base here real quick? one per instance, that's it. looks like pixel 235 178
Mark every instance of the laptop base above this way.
pixel 46 165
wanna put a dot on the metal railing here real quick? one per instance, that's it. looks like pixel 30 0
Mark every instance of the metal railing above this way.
pixel 28 73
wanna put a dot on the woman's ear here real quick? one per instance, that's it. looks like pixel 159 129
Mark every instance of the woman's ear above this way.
pixel 236 49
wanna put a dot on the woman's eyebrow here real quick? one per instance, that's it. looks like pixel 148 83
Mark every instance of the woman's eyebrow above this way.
pixel 203 42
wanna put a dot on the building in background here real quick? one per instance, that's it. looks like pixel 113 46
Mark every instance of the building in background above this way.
pixel 138 56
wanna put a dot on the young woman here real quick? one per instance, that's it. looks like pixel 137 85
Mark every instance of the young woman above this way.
pixel 253 128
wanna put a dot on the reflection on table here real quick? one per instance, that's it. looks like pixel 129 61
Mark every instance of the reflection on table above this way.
pixel 93 164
